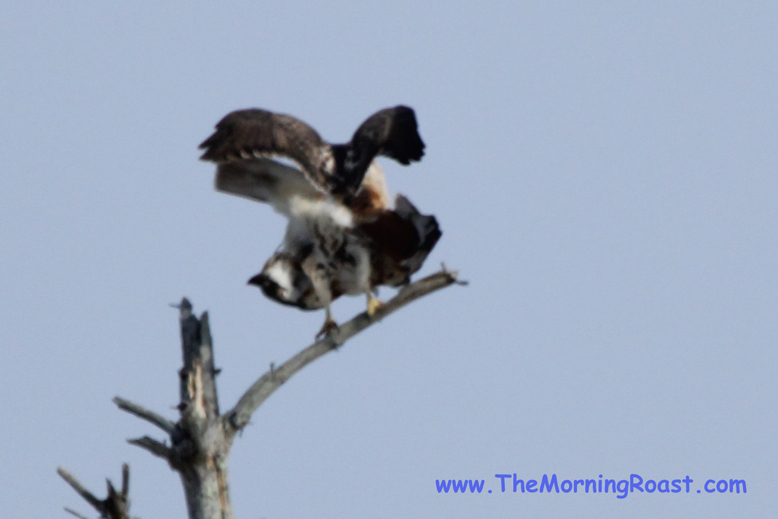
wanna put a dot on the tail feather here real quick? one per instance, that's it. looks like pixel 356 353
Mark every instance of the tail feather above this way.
pixel 427 228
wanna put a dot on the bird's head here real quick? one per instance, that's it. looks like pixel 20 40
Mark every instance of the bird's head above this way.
pixel 283 280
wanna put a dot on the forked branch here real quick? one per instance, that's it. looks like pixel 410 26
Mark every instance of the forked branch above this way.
pixel 200 441
pixel 115 506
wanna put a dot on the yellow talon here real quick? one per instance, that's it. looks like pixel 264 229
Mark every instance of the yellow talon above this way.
pixel 373 304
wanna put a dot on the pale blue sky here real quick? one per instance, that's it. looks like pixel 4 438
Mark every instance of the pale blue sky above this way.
pixel 605 177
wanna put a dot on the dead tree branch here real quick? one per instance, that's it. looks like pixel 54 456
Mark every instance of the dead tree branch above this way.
pixel 115 506
pixel 143 413
pixel 240 415
pixel 201 449
pixel 73 512
pixel 155 447
pixel 201 440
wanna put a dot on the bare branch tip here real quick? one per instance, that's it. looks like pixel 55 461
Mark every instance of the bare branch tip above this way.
pixel 452 275
pixel 183 304
pixel 184 308
pixel 73 512
pixel 125 481
pixel 71 480
pixel 79 488
pixel 144 414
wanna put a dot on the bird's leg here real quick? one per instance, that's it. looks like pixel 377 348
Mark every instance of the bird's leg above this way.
pixel 316 271
pixel 329 325
pixel 363 272
pixel 373 303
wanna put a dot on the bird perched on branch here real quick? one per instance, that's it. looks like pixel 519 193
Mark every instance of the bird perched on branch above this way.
pixel 343 235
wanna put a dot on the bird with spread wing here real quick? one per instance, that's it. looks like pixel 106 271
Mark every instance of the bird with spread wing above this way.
pixel 343 235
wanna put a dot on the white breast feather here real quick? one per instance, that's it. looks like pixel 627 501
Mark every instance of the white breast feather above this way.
pixel 279 272
pixel 306 208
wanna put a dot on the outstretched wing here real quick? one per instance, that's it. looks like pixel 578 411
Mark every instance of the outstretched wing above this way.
pixel 392 132
pixel 254 133
pixel 265 180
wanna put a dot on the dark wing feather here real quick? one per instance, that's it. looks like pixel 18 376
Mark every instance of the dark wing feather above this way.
pixel 401 240
pixel 392 132
pixel 255 133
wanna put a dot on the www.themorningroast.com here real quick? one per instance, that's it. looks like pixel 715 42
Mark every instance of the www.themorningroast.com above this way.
pixel 621 488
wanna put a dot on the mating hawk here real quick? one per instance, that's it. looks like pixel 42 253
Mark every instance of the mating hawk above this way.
pixel 343 235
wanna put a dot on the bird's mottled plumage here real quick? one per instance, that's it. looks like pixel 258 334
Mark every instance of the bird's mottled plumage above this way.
pixel 343 235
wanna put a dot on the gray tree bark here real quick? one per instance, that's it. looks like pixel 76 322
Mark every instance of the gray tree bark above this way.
pixel 115 506
pixel 200 442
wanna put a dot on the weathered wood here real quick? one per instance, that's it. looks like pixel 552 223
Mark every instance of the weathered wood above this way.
pixel 201 445
pixel 115 506
pixel 201 440
pixel 155 447
pixel 141 412
pixel 239 416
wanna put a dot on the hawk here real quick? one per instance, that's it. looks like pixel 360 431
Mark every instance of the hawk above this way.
pixel 343 235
